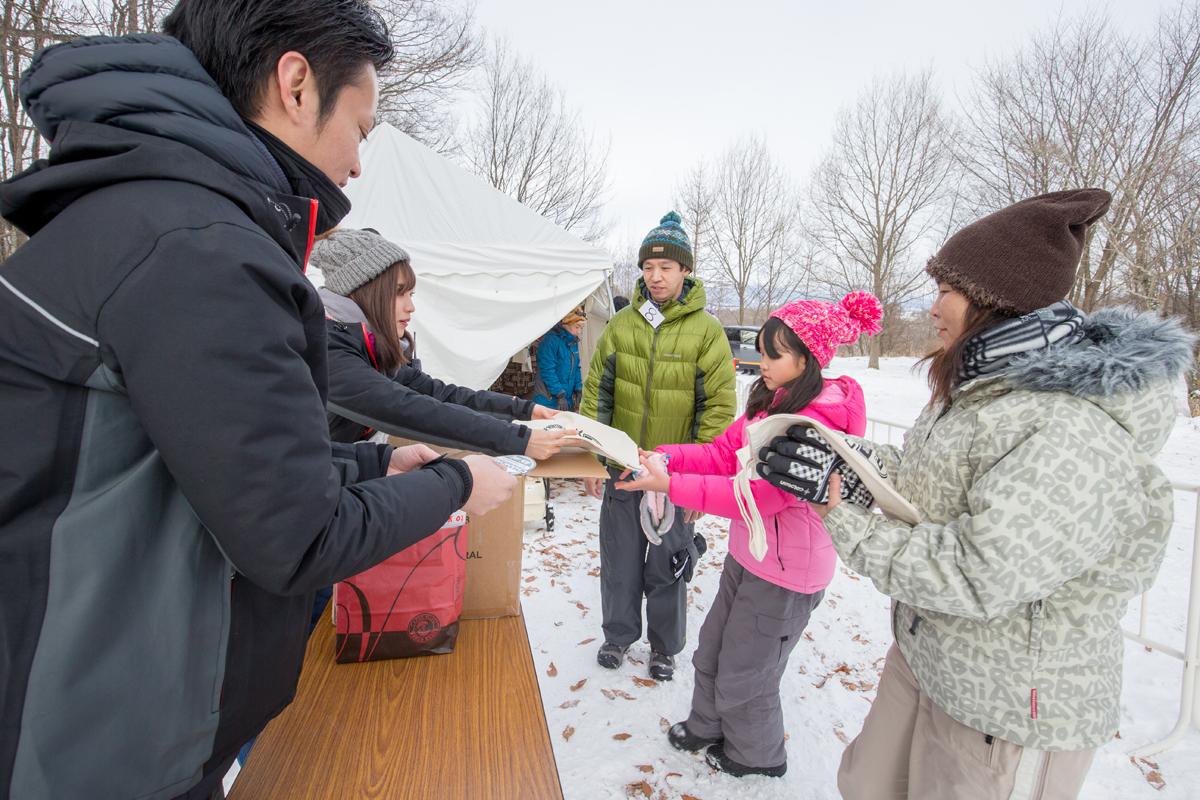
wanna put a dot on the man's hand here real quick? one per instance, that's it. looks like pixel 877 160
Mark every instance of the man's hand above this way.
pixel 594 487
pixel 542 412
pixel 543 444
pixel 406 459
pixel 690 516
pixel 491 485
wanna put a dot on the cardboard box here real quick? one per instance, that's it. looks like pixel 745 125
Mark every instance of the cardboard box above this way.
pixel 495 540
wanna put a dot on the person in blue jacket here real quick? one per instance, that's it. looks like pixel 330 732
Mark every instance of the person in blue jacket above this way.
pixel 559 381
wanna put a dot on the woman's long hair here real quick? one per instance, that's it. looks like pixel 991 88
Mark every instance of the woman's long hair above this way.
pixel 377 299
pixel 946 363
pixel 775 339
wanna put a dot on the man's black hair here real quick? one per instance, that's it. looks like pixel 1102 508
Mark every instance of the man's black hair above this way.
pixel 240 42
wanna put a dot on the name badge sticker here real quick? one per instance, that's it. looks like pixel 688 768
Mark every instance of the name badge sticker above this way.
pixel 652 314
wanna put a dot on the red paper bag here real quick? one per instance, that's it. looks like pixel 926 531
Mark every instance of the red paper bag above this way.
pixel 408 605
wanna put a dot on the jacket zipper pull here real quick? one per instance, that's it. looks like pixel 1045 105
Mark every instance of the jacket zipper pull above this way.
pixel 912 629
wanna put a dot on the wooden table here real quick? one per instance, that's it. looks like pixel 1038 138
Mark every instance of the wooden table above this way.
pixel 465 725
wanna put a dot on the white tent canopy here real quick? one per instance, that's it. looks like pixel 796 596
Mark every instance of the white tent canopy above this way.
pixel 492 275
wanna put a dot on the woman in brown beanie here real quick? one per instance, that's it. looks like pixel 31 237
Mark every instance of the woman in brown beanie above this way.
pixel 1042 515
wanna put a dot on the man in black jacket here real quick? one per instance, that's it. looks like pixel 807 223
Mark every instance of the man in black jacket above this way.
pixel 169 497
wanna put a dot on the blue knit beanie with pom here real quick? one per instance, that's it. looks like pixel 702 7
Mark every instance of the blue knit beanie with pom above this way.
pixel 668 240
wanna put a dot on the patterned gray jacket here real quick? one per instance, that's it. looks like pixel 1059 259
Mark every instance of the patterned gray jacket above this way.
pixel 1043 513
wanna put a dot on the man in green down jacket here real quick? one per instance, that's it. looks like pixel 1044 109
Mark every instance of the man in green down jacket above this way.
pixel 663 373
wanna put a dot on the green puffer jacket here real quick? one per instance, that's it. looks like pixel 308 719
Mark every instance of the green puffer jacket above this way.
pixel 1043 515
pixel 672 385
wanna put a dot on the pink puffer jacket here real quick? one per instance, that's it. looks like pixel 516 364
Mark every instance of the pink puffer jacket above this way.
pixel 800 555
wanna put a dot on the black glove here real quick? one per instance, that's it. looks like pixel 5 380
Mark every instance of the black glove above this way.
pixel 800 463
pixel 561 402
pixel 853 489
pixel 575 398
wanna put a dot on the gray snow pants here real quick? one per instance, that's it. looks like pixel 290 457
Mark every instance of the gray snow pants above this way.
pixel 631 567
pixel 740 657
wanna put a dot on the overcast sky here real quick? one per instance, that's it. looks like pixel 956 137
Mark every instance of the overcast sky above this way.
pixel 674 82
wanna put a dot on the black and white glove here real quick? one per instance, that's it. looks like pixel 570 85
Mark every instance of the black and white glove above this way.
pixel 853 490
pixel 800 463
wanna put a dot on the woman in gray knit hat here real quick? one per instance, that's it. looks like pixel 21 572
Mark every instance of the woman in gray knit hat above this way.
pixel 1042 514
pixel 373 379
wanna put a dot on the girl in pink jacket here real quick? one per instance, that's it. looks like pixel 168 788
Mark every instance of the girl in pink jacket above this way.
pixel 762 607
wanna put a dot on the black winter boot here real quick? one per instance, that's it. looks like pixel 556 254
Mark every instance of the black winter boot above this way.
pixel 683 739
pixel 611 655
pixel 716 758
pixel 662 666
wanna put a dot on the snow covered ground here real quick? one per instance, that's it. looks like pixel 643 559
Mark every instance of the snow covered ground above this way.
pixel 608 728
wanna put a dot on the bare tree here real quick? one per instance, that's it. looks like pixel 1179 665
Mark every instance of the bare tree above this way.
pixel 695 202
pixel 437 47
pixel 1083 105
pixel 742 216
pixel 625 272
pixel 528 143
pixel 120 17
pixel 877 192
pixel 26 27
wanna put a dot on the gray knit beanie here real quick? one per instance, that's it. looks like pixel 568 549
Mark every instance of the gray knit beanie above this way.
pixel 349 258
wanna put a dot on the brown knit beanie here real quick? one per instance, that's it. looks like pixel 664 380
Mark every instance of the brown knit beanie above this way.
pixel 1023 257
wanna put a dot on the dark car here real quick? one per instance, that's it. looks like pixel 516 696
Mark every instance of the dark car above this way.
pixel 741 342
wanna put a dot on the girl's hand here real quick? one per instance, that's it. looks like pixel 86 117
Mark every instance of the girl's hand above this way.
pixel 652 478
pixel 542 412
pixel 647 482
pixel 835 496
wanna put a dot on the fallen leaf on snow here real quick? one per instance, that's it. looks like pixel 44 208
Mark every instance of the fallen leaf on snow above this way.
pixel 645 768
pixel 641 788
pixel 577 686
pixel 587 641
pixel 553 671
pixel 664 724
pixel 620 737
pixel 569 704
pixel 568 732
pixel 645 682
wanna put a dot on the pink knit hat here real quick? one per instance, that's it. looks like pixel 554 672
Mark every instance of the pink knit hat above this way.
pixel 823 326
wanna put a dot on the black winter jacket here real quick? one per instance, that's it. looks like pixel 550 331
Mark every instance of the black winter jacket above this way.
pixel 169 496
pixel 413 404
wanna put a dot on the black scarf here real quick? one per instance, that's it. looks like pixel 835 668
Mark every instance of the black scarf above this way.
pixel 306 180
pixel 991 350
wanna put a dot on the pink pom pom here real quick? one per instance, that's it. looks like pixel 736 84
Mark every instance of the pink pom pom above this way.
pixel 864 309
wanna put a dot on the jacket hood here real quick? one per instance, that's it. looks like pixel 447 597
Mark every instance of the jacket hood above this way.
pixel 562 333
pixel 142 108
pixel 342 309
pixel 1125 364
pixel 692 299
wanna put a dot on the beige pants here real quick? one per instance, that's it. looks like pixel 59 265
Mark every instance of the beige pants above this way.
pixel 910 748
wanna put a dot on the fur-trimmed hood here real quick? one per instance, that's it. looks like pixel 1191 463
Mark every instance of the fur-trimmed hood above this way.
pixel 1127 364
pixel 1122 351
